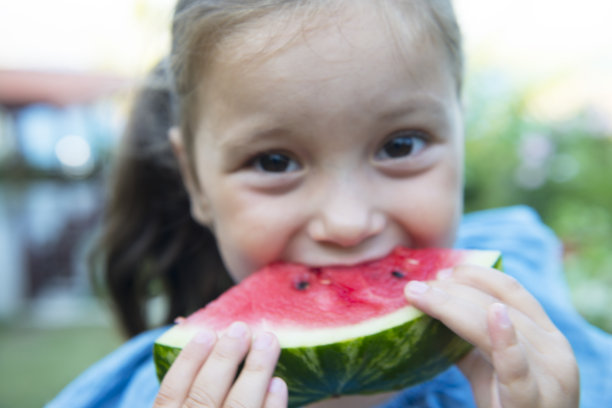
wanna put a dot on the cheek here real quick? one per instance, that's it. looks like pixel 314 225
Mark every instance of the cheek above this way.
pixel 251 232
pixel 439 223
pixel 432 208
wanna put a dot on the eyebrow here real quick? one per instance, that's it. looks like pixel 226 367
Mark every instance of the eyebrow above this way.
pixel 238 139
pixel 412 106
pixel 432 107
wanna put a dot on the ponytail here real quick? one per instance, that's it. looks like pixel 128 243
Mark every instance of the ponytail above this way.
pixel 149 244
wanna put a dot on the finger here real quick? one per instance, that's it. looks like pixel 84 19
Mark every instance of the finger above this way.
pixel 463 309
pixel 503 287
pixel 479 372
pixel 517 385
pixel 480 297
pixel 216 376
pixel 278 395
pixel 473 284
pixel 252 385
pixel 177 381
pixel 464 317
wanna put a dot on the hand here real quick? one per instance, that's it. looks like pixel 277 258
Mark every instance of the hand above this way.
pixel 204 373
pixel 520 358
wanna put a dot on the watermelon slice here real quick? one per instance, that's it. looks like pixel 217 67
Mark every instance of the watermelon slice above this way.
pixel 342 330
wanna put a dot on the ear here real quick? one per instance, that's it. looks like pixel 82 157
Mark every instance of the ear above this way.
pixel 200 206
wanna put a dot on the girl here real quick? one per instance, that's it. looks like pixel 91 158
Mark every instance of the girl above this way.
pixel 320 132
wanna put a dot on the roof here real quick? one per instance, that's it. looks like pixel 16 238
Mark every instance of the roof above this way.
pixel 23 87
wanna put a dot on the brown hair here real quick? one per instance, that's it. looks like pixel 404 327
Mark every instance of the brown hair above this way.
pixel 150 245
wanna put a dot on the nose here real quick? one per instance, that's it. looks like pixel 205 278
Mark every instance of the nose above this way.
pixel 345 218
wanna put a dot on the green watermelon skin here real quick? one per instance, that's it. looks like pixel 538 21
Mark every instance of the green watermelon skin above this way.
pixel 392 359
pixel 381 362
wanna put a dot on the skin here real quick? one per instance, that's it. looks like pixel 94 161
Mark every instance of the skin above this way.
pixel 332 149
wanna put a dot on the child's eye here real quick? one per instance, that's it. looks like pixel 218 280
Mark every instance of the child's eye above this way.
pixel 275 163
pixel 405 144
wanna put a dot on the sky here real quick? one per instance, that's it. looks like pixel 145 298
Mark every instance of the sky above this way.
pixel 120 36
pixel 124 35
pixel 566 34
pixel 551 41
pixel 560 50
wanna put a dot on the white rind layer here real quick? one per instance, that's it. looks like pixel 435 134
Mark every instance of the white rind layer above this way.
pixel 481 258
pixel 290 337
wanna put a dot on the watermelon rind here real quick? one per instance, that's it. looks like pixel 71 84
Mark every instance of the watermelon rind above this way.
pixel 389 360
pixel 391 352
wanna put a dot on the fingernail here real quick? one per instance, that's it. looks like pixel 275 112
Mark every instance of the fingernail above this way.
pixel 237 330
pixel 417 287
pixel 444 273
pixel 277 386
pixel 262 341
pixel 205 337
pixel 501 315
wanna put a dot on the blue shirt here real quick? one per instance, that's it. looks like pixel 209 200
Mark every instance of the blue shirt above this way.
pixel 126 378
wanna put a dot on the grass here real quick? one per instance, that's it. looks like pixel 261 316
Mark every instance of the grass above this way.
pixel 37 363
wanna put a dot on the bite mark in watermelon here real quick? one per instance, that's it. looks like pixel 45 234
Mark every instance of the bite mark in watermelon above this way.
pixel 342 330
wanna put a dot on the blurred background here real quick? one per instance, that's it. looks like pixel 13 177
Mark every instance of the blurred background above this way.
pixel 539 124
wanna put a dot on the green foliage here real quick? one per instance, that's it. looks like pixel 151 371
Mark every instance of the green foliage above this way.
pixel 561 168
pixel 38 363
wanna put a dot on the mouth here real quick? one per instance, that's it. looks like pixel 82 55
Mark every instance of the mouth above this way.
pixel 333 257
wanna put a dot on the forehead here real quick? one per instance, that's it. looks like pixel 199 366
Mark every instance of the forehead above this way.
pixel 333 33
pixel 264 36
pixel 344 73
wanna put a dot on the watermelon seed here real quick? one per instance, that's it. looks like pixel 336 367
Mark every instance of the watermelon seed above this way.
pixel 325 281
pixel 413 261
pixel 302 285
pixel 398 274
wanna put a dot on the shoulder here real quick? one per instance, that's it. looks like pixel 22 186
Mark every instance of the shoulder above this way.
pixel 530 250
pixel 505 226
pixel 110 382
pixel 531 253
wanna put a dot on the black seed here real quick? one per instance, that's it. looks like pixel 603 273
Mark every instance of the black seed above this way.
pixel 398 274
pixel 302 285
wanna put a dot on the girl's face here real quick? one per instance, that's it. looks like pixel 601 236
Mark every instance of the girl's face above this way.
pixel 331 148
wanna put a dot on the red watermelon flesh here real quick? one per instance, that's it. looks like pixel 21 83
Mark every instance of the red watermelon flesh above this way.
pixel 299 297
pixel 342 330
